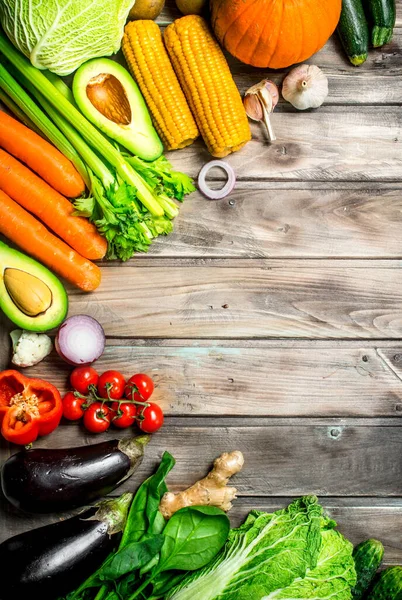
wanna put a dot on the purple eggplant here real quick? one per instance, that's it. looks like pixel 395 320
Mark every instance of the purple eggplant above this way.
pixel 44 480
pixel 50 561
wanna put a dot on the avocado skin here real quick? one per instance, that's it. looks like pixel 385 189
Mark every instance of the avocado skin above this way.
pixel 10 258
pixel 139 135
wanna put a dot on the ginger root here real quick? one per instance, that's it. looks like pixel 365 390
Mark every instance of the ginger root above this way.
pixel 213 490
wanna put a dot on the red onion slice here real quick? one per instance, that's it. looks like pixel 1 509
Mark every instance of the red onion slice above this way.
pixel 80 340
pixel 227 188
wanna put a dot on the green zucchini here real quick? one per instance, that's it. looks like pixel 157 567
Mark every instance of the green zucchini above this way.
pixel 353 31
pixel 388 585
pixel 368 556
pixel 382 15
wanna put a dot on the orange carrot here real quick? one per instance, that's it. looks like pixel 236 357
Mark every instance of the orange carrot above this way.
pixel 40 156
pixel 29 234
pixel 36 196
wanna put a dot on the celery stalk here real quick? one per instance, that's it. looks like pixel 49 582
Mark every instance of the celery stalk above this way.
pixel 88 132
pixel 90 158
pixel 17 112
pixel 18 95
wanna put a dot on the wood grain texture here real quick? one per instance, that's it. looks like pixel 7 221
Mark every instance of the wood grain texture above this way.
pixel 288 223
pixel 327 299
pixel 331 143
pixel 276 381
pixel 283 457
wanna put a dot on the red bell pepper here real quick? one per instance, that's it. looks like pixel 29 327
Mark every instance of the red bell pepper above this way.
pixel 28 407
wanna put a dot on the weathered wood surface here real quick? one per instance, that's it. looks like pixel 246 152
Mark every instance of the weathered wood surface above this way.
pixel 332 143
pixel 271 321
pixel 269 223
pixel 316 299
pixel 273 381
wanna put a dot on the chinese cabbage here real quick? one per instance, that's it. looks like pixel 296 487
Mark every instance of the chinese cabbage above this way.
pixel 291 554
pixel 60 35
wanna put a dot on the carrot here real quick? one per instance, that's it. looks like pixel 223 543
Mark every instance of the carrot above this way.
pixel 40 156
pixel 29 234
pixel 36 196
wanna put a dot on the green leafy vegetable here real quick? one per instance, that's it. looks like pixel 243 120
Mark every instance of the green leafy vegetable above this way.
pixel 127 559
pixel 144 518
pixel 131 557
pixel 60 35
pixel 193 536
pixel 292 553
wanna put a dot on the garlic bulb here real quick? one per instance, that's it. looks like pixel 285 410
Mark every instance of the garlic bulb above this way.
pixel 305 87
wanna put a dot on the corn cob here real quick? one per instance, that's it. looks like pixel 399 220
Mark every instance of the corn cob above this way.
pixel 208 85
pixel 149 64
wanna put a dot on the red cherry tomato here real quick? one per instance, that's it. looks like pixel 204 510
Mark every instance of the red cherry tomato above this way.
pixel 72 407
pixel 139 387
pixel 152 418
pixel 82 377
pixel 97 417
pixel 111 381
pixel 124 414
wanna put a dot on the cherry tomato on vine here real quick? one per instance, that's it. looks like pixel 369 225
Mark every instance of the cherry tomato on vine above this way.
pixel 112 381
pixel 124 414
pixel 97 417
pixel 82 377
pixel 141 385
pixel 72 407
pixel 152 418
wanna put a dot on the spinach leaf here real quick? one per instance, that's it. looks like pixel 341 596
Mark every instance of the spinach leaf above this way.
pixel 165 581
pixel 144 518
pixel 193 537
pixel 130 558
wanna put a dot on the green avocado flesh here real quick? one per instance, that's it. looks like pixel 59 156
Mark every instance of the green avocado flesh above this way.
pixel 109 97
pixel 30 295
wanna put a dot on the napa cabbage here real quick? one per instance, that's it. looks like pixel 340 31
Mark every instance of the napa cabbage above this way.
pixel 292 554
pixel 60 35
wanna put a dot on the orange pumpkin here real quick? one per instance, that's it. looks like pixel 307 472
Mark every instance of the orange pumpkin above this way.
pixel 274 33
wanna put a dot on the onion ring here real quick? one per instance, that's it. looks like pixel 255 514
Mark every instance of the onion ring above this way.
pixel 227 188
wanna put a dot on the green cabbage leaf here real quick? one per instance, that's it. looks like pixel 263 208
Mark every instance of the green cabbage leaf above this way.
pixel 60 35
pixel 292 554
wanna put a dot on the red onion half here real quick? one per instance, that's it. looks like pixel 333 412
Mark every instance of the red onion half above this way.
pixel 80 340
pixel 227 188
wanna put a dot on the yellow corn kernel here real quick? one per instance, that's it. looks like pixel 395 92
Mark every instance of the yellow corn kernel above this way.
pixel 208 85
pixel 149 64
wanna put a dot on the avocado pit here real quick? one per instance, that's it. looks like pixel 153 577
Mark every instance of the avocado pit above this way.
pixel 108 96
pixel 29 294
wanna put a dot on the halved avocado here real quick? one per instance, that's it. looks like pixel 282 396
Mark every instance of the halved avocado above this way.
pixel 109 97
pixel 30 295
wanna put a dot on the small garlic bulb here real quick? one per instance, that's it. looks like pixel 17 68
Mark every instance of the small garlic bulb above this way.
pixel 305 87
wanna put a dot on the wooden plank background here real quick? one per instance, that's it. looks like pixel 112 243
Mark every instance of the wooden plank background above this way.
pixel 271 320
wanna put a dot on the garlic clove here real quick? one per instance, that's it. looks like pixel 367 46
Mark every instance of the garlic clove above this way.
pixel 305 87
pixel 259 101
pixel 253 107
